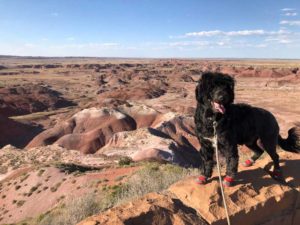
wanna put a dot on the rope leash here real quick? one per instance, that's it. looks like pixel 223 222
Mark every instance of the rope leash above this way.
pixel 215 144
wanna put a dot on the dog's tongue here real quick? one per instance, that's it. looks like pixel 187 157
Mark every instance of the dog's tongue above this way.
pixel 219 107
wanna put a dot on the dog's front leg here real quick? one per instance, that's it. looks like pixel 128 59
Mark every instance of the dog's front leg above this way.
pixel 230 152
pixel 206 158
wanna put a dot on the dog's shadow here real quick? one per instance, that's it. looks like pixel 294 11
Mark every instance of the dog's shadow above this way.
pixel 260 177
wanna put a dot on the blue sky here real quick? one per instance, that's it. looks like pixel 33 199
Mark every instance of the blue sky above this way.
pixel 151 28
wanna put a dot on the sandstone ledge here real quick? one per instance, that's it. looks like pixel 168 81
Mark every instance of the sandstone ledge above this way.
pixel 256 199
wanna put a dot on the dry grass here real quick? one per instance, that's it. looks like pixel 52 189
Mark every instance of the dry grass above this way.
pixel 151 178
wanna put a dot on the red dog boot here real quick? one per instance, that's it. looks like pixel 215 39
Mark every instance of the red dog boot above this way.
pixel 228 181
pixel 201 180
pixel 248 163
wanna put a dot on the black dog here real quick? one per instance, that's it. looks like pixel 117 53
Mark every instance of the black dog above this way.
pixel 236 124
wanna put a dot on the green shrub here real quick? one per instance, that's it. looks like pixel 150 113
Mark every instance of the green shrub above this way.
pixel 20 203
pixel 40 173
pixel 125 161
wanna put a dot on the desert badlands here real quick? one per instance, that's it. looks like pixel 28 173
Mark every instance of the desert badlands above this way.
pixel 111 141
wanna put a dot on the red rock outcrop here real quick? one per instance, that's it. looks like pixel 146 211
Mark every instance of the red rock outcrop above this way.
pixel 27 99
pixel 256 199
pixel 133 130
pixel 87 131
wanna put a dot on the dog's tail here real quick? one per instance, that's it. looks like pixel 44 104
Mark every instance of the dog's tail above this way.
pixel 292 142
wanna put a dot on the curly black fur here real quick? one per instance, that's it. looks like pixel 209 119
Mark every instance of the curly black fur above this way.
pixel 237 124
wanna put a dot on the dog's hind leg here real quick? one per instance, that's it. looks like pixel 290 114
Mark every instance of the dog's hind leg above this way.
pixel 257 153
pixel 270 148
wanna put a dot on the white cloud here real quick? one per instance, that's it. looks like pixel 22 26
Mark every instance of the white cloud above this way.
pixel 233 33
pixel 291 14
pixel 204 33
pixel 288 9
pixel 281 40
pixel 290 22
pixel 245 33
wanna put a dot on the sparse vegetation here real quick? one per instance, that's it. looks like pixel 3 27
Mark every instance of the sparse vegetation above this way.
pixel 24 177
pixel 3 169
pixel 20 203
pixel 45 188
pixel 119 178
pixel 72 212
pixel 40 173
pixel 33 189
pixel 76 169
pixel 153 177
pixel 55 187
pixel 124 161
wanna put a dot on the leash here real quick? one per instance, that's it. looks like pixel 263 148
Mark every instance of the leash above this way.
pixel 215 144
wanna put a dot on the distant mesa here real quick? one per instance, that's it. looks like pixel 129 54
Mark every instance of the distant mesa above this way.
pixel 131 86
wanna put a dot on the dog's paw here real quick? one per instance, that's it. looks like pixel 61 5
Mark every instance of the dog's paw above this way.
pixel 228 181
pixel 201 180
pixel 248 163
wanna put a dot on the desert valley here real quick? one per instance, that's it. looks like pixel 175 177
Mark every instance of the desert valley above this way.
pixel 112 141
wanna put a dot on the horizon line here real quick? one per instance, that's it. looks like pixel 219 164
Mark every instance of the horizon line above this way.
pixel 149 58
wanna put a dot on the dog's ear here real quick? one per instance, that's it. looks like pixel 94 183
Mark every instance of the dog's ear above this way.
pixel 231 82
pixel 199 98
pixel 202 88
